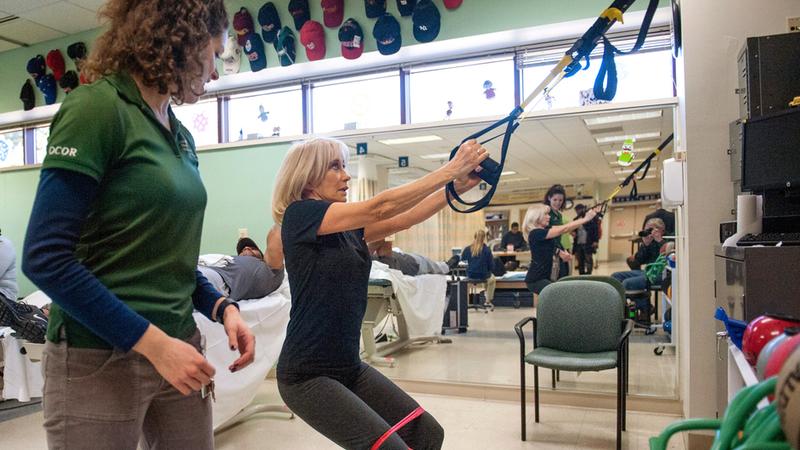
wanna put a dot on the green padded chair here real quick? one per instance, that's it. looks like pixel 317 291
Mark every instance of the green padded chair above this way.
pixel 621 289
pixel 579 327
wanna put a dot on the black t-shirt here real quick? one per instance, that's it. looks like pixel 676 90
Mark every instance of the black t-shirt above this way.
pixel 328 277
pixel 542 250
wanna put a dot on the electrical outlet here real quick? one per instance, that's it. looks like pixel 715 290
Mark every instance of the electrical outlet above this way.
pixel 243 233
pixel 794 24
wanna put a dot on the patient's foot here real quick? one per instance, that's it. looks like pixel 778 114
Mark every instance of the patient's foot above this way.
pixel 27 321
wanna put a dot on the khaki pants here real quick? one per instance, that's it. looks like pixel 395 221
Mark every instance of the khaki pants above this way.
pixel 108 399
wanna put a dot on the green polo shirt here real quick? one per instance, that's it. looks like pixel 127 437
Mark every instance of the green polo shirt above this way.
pixel 142 235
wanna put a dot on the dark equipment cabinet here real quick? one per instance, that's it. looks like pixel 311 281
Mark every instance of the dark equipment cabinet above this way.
pixel 768 74
pixel 456 317
pixel 748 282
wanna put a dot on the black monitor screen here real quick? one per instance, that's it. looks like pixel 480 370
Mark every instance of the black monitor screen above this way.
pixel 771 152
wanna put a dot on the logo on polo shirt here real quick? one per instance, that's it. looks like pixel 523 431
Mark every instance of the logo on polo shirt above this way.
pixel 62 151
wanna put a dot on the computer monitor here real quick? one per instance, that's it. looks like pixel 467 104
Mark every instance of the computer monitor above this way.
pixel 771 152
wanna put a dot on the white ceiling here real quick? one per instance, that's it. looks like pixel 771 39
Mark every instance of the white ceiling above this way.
pixel 27 22
pixel 544 150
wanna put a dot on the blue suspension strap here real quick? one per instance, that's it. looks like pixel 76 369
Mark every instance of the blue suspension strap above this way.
pixel 569 64
pixel 605 85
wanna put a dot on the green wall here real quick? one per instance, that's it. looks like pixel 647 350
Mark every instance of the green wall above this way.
pixel 472 18
pixel 239 184
pixel 239 181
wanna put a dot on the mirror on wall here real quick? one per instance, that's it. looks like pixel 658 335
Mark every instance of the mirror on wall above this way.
pixel 581 151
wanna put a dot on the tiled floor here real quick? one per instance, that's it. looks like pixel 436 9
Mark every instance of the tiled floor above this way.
pixel 488 353
pixel 468 424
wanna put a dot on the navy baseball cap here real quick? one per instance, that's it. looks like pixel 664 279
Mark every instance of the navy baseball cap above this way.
pixel 300 13
pixel 406 7
pixel 285 46
pixel 254 49
pixel 270 22
pixel 387 34
pixel 375 8
pixel 36 67
pixel 427 21
pixel 352 38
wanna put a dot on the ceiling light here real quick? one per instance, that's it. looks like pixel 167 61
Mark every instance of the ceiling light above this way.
pixel 622 138
pixel 436 156
pixel 593 121
pixel 411 140
pixel 508 172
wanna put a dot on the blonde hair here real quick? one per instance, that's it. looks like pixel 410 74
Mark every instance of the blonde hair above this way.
pixel 477 243
pixel 655 222
pixel 302 170
pixel 533 216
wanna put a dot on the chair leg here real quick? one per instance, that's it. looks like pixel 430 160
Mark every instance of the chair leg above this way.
pixel 625 396
pixel 619 405
pixel 536 392
pixel 523 431
pixel 553 374
pixel 627 367
pixel 558 375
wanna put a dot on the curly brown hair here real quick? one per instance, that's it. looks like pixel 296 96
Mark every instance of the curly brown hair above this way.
pixel 160 41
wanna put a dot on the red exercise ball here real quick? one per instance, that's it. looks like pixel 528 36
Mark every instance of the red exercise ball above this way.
pixel 761 330
pixel 780 355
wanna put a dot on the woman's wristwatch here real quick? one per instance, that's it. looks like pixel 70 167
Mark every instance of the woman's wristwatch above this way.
pixel 222 307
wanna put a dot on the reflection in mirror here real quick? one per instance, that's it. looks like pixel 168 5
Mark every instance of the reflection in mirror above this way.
pixel 403 332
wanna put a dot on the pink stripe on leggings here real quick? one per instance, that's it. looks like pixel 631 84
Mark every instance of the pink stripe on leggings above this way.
pixel 413 415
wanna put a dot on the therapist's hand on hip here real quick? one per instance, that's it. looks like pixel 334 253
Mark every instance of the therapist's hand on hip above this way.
pixel 175 360
pixel 239 337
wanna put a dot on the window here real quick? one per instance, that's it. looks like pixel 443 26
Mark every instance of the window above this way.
pixel 40 136
pixel 12 149
pixel 641 76
pixel 201 119
pixel 351 103
pixel 274 112
pixel 477 88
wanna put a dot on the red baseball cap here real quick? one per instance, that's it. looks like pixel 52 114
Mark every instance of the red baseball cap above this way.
pixel 452 4
pixel 312 36
pixel 55 61
pixel 332 12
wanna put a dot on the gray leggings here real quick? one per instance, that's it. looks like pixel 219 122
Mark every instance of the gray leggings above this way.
pixel 355 415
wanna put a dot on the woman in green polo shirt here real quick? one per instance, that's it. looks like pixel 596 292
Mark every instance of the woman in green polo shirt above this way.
pixel 114 238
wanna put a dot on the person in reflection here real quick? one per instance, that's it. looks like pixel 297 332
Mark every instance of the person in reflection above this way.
pixel 480 263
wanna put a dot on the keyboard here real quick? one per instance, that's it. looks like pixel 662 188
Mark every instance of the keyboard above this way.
pixel 770 239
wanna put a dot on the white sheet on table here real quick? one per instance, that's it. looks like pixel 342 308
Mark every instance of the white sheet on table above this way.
pixel 22 379
pixel 423 298
pixel 267 318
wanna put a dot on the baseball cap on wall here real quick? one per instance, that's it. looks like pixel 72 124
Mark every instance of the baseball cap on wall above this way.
pixel 332 12
pixel 69 81
pixel 452 4
pixel 254 49
pixel 312 36
pixel 406 7
pixel 352 38
pixel 427 21
pixel 243 24
pixel 375 8
pixel 231 56
pixel 27 96
pixel 36 67
pixel 300 13
pixel 387 34
pixel 47 84
pixel 270 21
pixel 285 46
pixel 55 61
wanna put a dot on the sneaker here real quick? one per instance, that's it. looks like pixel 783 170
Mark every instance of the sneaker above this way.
pixel 27 321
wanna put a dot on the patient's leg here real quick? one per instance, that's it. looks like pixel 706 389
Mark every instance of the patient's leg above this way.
pixel 338 413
